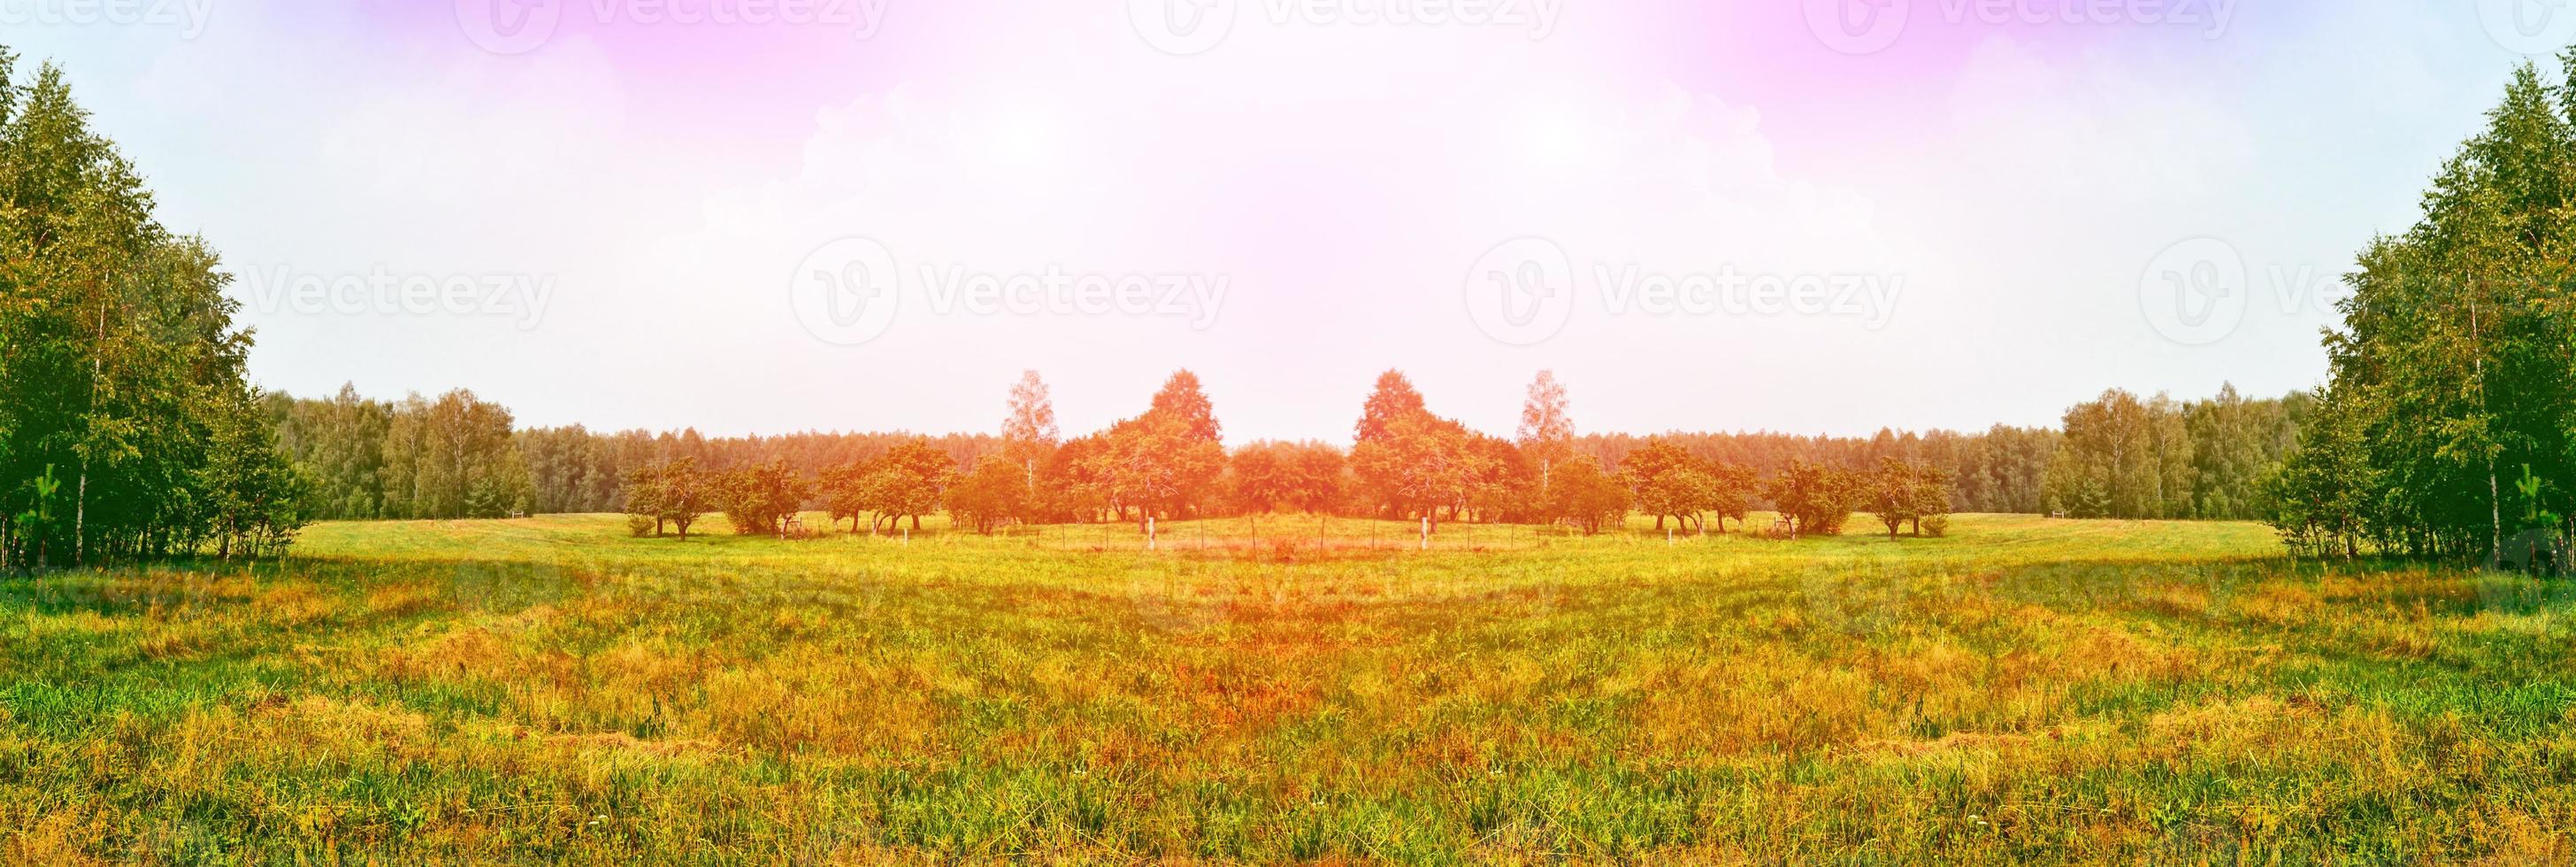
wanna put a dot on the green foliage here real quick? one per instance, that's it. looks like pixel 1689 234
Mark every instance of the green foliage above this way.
pixel 673 494
pixel 455 457
pixel 2124 458
pixel 2457 357
pixel 1901 493
pixel 37 522
pixel 2235 442
pixel 120 363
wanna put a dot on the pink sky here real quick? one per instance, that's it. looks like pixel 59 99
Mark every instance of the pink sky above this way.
pixel 669 184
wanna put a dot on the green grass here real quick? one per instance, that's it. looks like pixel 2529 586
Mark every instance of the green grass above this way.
pixel 551 690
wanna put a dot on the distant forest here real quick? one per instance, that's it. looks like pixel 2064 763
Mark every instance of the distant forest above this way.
pixel 457 456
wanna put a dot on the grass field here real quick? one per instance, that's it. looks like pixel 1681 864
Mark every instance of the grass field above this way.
pixel 552 690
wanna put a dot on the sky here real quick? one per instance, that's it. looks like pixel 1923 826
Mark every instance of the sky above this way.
pixel 766 216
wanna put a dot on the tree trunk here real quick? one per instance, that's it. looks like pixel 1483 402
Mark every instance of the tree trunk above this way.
pixel 80 509
pixel 2495 510
pixel 2495 504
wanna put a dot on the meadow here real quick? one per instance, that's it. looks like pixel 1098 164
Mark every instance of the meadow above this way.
pixel 1296 689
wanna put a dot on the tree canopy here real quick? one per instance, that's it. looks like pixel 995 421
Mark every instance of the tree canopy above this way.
pixel 2454 372
pixel 127 427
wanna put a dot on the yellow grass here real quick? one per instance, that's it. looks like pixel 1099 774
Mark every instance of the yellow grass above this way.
pixel 1291 689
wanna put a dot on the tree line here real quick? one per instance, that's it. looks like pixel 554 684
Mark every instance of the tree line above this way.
pixel 2446 424
pixel 457 457
pixel 1170 462
pixel 2122 456
pixel 127 428
pixel 2118 456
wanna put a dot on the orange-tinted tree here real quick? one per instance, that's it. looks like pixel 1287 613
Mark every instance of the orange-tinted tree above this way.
pixel 1585 495
pixel 1165 463
pixel 1817 498
pixel 908 481
pixel 1270 476
pixel 1671 483
pixel 758 499
pixel 994 494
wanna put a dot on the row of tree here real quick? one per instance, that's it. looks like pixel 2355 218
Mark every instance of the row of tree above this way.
pixel 1169 462
pixel 2125 457
pixel 2119 456
pixel 457 456
pixel 2000 470
pixel 127 428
